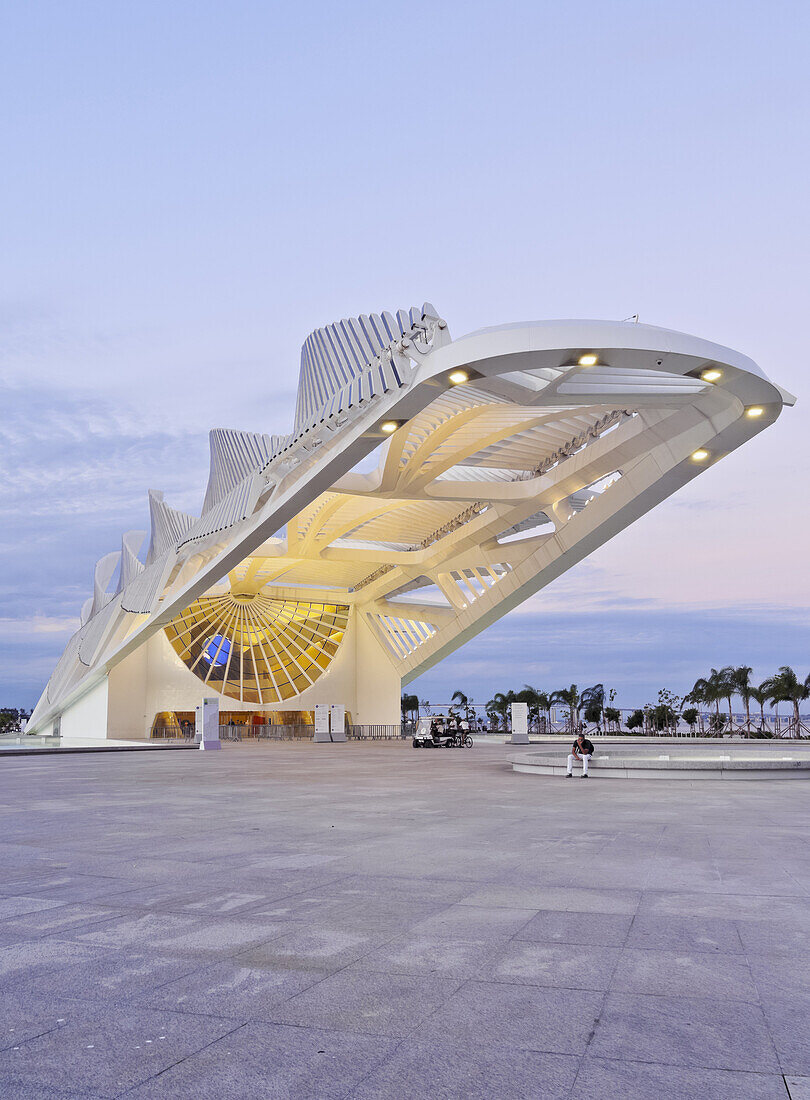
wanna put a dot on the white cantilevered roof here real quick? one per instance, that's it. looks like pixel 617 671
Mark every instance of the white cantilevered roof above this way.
pixel 525 439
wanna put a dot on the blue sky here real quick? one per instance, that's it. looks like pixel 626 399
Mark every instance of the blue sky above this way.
pixel 189 189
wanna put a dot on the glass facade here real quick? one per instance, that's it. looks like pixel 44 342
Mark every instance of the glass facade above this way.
pixel 255 648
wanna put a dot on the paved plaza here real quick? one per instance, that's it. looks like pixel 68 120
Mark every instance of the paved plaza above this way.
pixel 366 921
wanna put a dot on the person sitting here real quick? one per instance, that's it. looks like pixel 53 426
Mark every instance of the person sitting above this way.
pixel 583 750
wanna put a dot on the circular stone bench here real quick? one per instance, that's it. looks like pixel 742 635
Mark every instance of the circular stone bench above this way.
pixel 663 762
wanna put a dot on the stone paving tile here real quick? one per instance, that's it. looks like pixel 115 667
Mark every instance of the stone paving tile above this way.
pixel 393 917
pixel 27 960
pixel 683 874
pixel 317 947
pixel 724 906
pixel 98 1051
pixel 47 922
pixel 368 1002
pixel 698 1032
pixel 427 954
pixel 748 876
pixel 603 1079
pixel 228 989
pixel 787 1023
pixel 560 926
pixel 277 887
pixel 684 974
pixel 305 907
pixel 171 934
pixel 798 1087
pixel 101 974
pixel 772 937
pixel 272 1062
pixel 15 906
pixel 448 1071
pixel 60 887
pixel 560 898
pixel 20 1088
pixel 24 1016
pixel 475 923
pixel 671 933
pixel 567 966
pixel 581 872
pixel 166 897
pixel 401 889
pixel 782 978
pixel 559 1021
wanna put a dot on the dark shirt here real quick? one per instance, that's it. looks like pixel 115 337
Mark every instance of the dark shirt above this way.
pixel 585 747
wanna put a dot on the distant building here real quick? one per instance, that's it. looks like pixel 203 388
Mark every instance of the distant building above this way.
pixel 428 486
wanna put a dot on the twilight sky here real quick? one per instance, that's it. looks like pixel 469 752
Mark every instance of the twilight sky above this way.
pixel 190 188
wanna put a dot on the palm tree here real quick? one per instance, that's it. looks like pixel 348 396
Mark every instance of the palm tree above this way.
pixel 759 696
pixel 499 706
pixel 715 690
pixel 741 678
pixel 786 686
pixel 699 695
pixel 543 704
pixel 710 690
pixel 410 706
pixel 459 699
pixel 568 697
pixel 726 688
pixel 593 700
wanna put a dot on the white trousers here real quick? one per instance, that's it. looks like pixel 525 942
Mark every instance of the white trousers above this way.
pixel 584 757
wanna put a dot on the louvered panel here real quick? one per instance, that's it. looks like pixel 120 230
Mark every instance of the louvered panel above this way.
pixel 169 526
pixel 233 508
pixel 96 631
pixel 68 668
pixel 131 567
pixel 333 357
pixel 141 594
pixel 102 575
pixel 234 455
pixel 403 636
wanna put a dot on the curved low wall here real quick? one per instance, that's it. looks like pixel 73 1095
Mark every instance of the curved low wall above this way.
pixel 663 762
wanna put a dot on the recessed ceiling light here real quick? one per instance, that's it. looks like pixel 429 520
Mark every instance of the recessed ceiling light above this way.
pixel 712 375
pixel 389 426
pixel 456 377
pixel 700 455
pixel 588 360
pixel 754 411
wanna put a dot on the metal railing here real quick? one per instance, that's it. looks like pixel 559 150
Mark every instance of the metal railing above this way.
pixel 285 733
pixel 173 733
pixel 269 732
pixel 379 732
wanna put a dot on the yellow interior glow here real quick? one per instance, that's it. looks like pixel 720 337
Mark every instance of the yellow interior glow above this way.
pixel 754 411
pixel 456 377
pixel 389 426
pixel 588 360
pixel 712 375
pixel 275 648
pixel 700 455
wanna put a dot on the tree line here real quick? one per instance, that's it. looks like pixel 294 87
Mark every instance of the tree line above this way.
pixel 596 706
